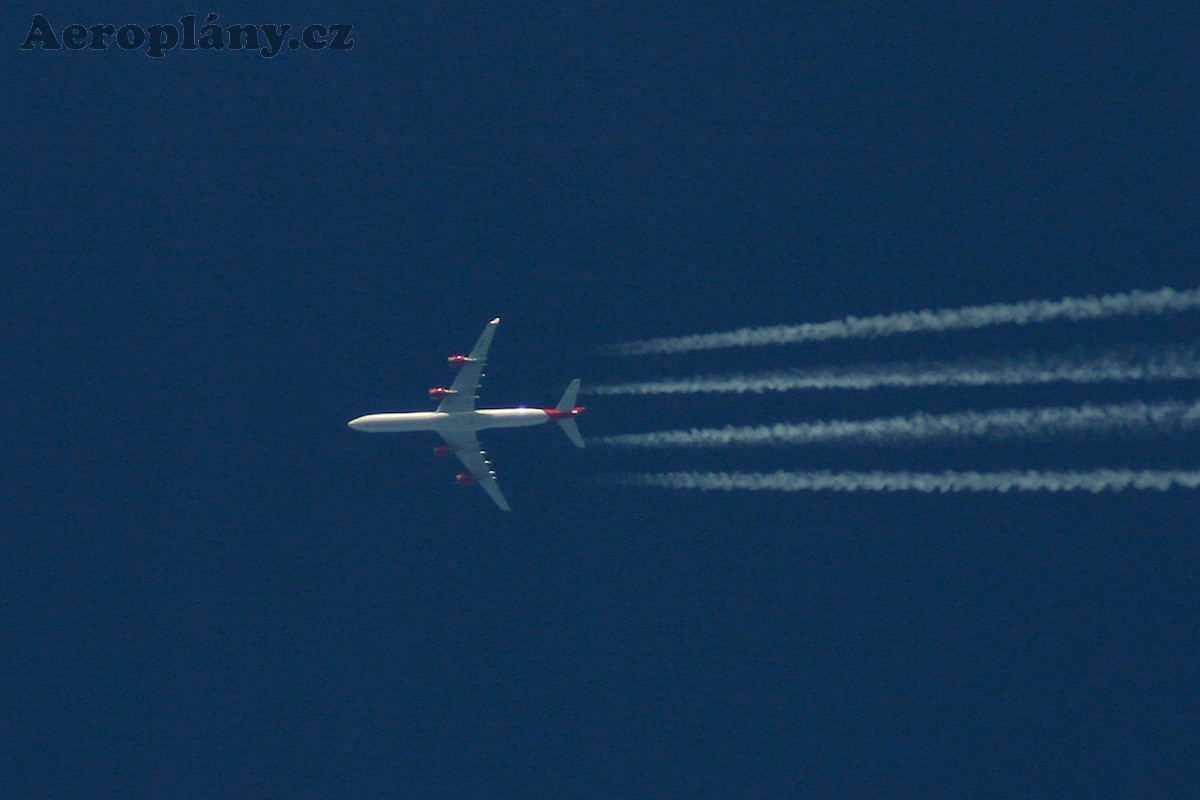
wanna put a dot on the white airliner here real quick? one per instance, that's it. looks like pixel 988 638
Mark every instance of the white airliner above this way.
pixel 457 419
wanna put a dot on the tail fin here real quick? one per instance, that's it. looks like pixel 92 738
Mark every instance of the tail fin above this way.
pixel 566 411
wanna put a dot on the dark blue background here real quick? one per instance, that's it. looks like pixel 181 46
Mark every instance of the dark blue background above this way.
pixel 209 587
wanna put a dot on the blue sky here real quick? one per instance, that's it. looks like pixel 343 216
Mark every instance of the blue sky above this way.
pixel 211 588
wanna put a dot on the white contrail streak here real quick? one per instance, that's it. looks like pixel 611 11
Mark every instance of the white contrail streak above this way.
pixel 1007 423
pixel 946 319
pixel 1100 480
pixel 1176 364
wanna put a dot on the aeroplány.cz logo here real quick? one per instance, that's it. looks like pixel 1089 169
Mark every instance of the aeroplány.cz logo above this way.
pixel 268 40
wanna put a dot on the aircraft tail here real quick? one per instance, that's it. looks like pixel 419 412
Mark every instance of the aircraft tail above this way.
pixel 572 431
pixel 567 404
pixel 566 411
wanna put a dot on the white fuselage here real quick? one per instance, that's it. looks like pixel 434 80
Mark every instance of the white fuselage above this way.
pixel 480 419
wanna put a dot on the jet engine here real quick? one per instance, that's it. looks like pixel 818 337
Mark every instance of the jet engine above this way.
pixel 464 479
pixel 438 392
pixel 460 361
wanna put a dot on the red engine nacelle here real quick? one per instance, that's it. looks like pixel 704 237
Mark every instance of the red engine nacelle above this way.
pixel 464 479
pixel 442 450
pixel 458 361
pixel 438 392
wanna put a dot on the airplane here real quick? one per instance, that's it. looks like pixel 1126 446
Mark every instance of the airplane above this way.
pixel 457 419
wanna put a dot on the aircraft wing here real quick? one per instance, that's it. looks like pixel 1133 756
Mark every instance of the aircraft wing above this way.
pixel 465 389
pixel 466 446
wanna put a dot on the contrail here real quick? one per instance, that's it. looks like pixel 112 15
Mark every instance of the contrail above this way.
pixel 1007 423
pixel 946 319
pixel 1174 364
pixel 1100 480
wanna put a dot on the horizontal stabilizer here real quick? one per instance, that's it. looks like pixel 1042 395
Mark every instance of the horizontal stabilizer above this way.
pixel 571 430
pixel 568 399
pixel 566 411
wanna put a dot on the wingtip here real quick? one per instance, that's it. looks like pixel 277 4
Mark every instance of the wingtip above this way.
pixel 496 321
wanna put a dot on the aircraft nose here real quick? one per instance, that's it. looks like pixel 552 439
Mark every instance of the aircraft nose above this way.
pixel 354 424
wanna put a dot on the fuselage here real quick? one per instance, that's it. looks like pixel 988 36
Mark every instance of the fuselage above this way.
pixel 478 420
